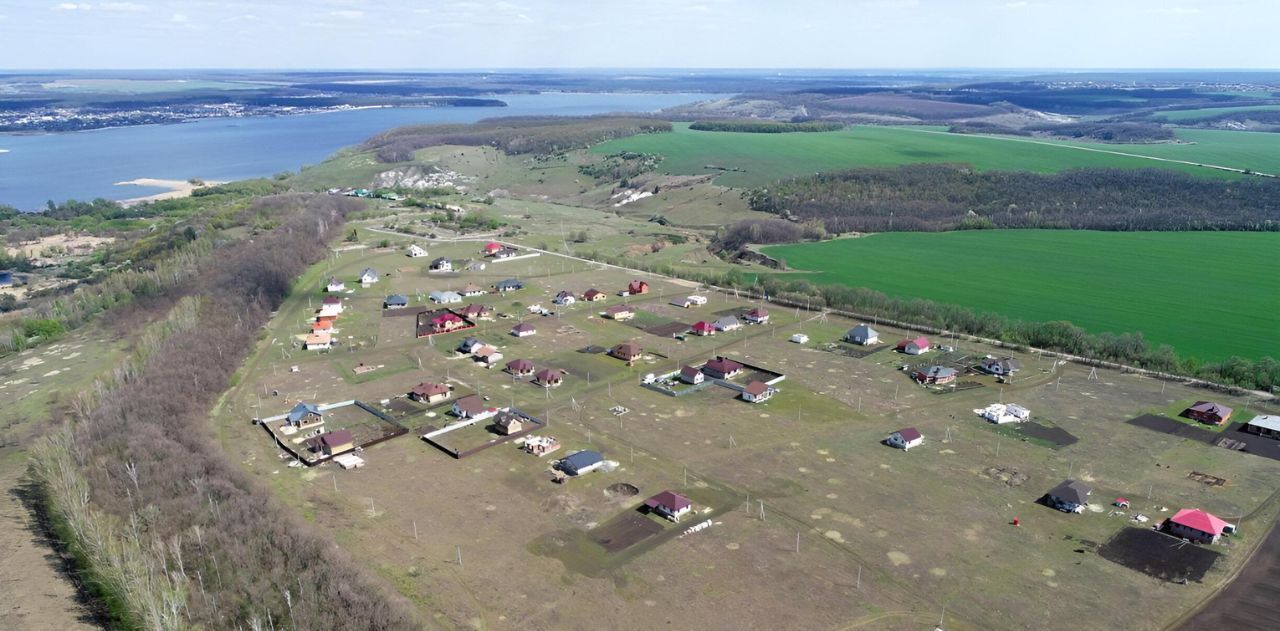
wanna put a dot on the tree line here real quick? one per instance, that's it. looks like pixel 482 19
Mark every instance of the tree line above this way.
pixel 513 135
pixel 765 126
pixel 168 532
pixel 930 197
pixel 1100 131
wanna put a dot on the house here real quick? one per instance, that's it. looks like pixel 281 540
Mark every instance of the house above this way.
pixel 627 351
pixel 510 284
pixel 759 315
pixel 722 368
pixel 475 311
pixel 914 346
pixel 471 290
pixel 800 338
pixel 619 313
pixel 395 301
pixel 636 287
pixel 1208 412
pixel 323 326
pixel 905 438
pixel 336 442
pixel 445 297
pixel 318 341
pixel 428 392
pixel 1264 425
pixel 471 406
pixel 593 295
pixel 862 335
pixel 520 367
pixel 467 345
pixel 1198 525
pixel 446 322
pixel 333 303
pixel 368 277
pixel 691 375
pixel 564 299
pixel 487 354
pixel 508 423
pixel 696 300
pixel 491 248
pixel 506 253
pixel 728 323
pixel 702 327
pixel 304 414
pixel 415 252
pixel 581 463
pixel 329 312
pixel 938 375
pixel 549 377
pixel 758 392
pixel 1069 497
pixel 541 445
pixel 440 265
pixel 1001 413
pixel 669 504
pixel 335 286
pixel 1000 365
pixel 524 329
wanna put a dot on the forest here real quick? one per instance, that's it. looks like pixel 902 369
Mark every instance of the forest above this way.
pixel 950 197
pixel 765 127
pixel 513 135
pixel 164 530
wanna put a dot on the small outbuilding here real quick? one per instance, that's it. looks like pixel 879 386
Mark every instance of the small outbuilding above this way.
pixel 905 439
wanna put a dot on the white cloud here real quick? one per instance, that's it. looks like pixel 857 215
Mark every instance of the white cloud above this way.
pixel 179 18
pixel 348 14
pixel 123 7
pixel 72 6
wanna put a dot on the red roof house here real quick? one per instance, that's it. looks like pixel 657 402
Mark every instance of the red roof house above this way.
pixel 427 392
pixel 446 322
pixel 669 504
pixel 722 368
pixel 491 248
pixel 702 327
pixel 914 346
pixel 1197 525
pixel 592 295
pixel 1208 412
pixel 637 287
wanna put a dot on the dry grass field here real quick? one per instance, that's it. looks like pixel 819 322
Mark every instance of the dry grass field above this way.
pixel 814 523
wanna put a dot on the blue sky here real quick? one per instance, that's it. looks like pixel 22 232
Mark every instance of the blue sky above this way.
pixel 486 34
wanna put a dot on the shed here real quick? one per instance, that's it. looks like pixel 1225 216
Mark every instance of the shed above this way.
pixel 905 438
pixel 336 442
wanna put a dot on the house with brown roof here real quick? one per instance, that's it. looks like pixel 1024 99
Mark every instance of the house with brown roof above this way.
pixel 636 287
pixel 758 392
pixel 914 346
pixel 475 311
pixel 524 329
pixel 1208 412
pixel 619 313
pixel 428 392
pixel 509 423
pixel 937 375
pixel 593 295
pixel 472 290
pixel 669 504
pixel 627 351
pixel 691 375
pixel 336 442
pixel 549 377
pixel 905 438
pixel 722 368
pixel 520 367
pixel 759 315
pixel 470 406
pixel 318 341
pixel 487 354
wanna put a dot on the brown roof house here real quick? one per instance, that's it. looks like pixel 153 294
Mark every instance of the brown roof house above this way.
pixel 669 504
pixel 520 367
pixel 1208 412
pixel 627 351
pixel 722 368
pixel 470 406
pixel 508 423
pixel 427 392
pixel 691 375
pixel 758 392
pixel 549 377
pixel 593 295
pixel 335 442
pixel 619 312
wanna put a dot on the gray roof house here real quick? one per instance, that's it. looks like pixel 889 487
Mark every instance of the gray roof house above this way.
pixel 395 301
pixel 302 411
pixel 862 334
pixel 445 297
pixel 1069 497
pixel 509 284
pixel 581 462
pixel 727 323
pixel 1000 365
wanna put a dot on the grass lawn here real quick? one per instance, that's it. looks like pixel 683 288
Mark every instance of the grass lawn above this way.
pixel 1178 116
pixel 765 158
pixel 1207 306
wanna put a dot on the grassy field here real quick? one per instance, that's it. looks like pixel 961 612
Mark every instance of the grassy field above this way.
pixel 1162 284
pixel 764 158
pixel 1178 116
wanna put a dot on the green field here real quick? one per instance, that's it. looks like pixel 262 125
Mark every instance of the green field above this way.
pixel 765 158
pixel 1210 295
pixel 1206 112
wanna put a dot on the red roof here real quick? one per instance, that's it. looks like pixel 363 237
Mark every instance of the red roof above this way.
pixel 909 434
pixel 669 499
pixel 920 342
pixel 758 312
pixel 756 388
pixel 445 317
pixel 492 246
pixel 637 286
pixel 336 438
pixel 704 326
pixel 723 365
pixel 1199 520
pixel 427 389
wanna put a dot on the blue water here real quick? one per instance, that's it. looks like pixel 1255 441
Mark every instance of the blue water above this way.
pixel 85 165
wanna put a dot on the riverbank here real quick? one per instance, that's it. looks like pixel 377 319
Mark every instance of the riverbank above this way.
pixel 177 189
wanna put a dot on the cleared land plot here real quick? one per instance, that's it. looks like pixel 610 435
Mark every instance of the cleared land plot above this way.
pixel 1182 116
pixel 765 158
pixel 1153 282
pixel 625 530
pixel 1166 425
pixel 1249 602
pixel 1159 555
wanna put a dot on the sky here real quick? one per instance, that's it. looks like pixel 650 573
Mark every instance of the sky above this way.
pixel 489 34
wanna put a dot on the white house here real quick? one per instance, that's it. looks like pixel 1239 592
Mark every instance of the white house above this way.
pixel 524 329
pixel 670 504
pixel 863 335
pixel 800 338
pixel 1001 413
pixel 905 439
pixel 368 277
pixel 728 323
pixel 564 299
pixel 318 341
pixel 758 392
pixel 335 285
pixel 691 375
pixel 441 265
pixel 415 252
pixel 759 315
pixel 471 290
pixel 444 297
pixel 697 300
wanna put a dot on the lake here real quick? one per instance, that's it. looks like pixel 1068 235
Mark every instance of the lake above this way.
pixel 86 165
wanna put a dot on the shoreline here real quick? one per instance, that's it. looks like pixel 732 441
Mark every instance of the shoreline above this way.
pixel 177 189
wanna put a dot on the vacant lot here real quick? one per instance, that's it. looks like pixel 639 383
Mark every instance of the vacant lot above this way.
pixel 1156 283
pixel 764 158
pixel 1183 116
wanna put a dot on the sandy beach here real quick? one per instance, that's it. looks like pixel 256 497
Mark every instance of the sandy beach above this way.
pixel 177 189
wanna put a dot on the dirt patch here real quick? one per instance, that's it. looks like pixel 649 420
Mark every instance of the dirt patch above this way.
pixel 1055 435
pixel 1206 479
pixel 1253 443
pixel 627 530
pixel 666 330
pixel 1249 601
pixel 1166 425
pixel 1158 555
pixel 1012 477
pixel 621 489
